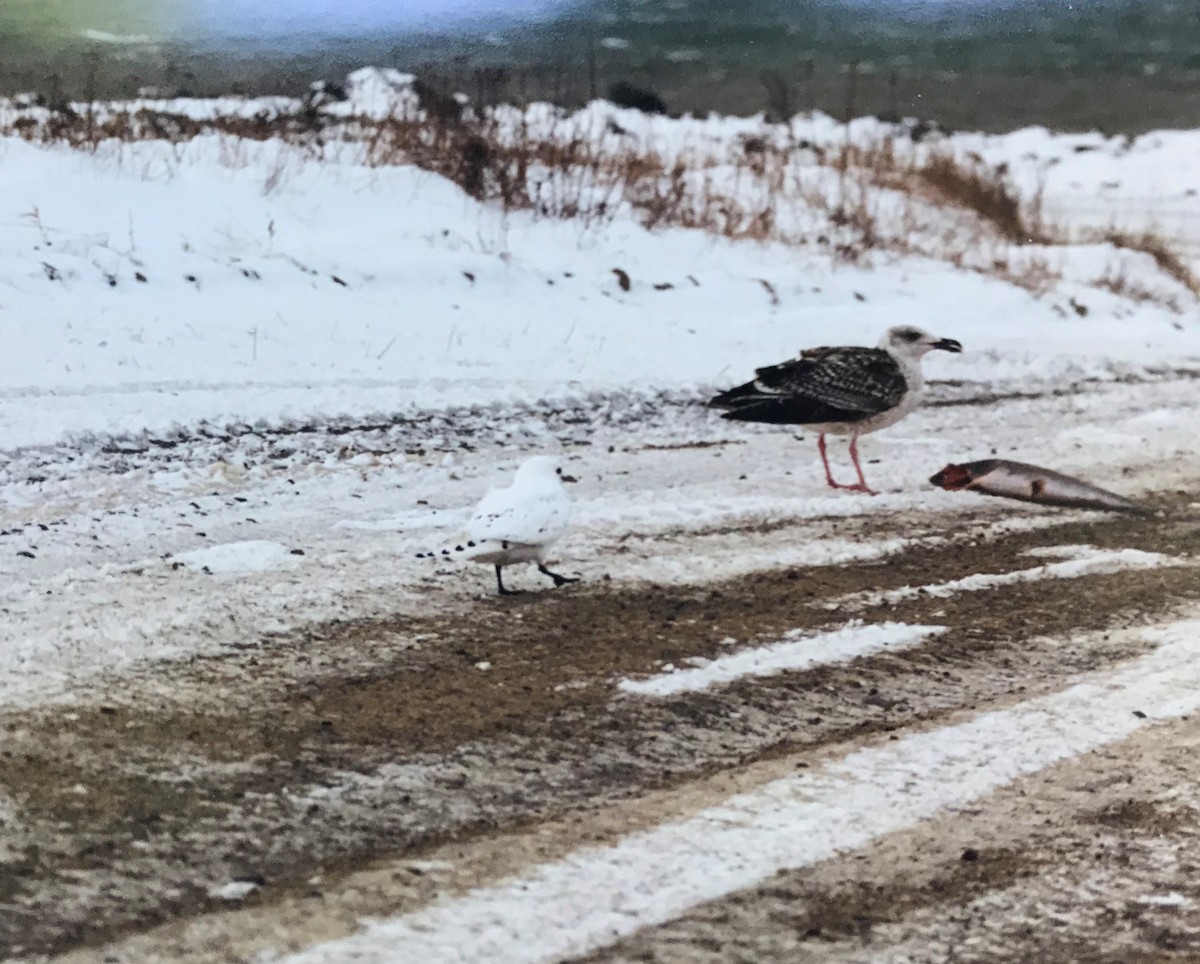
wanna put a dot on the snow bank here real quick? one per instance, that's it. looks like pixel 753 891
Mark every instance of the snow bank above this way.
pixel 150 285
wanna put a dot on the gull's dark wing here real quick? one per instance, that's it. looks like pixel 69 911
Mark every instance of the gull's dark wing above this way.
pixel 822 385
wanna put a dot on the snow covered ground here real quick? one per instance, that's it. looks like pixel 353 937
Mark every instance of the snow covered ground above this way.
pixel 247 379
pixel 152 284
pixel 198 327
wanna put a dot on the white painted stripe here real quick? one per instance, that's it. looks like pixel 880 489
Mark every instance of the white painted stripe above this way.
pixel 1085 561
pixel 792 654
pixel 594 897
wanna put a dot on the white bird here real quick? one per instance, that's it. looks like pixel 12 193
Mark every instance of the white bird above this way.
pixel 840 391
pixel 519 523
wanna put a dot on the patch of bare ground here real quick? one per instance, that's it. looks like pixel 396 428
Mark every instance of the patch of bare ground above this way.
pixel 1144 816
pixel 850 909
pixel 233 766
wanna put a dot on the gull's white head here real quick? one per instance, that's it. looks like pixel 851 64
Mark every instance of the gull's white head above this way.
pixel 908 341
pixel 542 469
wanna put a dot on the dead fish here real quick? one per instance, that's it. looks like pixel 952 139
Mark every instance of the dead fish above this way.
pixel 1031 483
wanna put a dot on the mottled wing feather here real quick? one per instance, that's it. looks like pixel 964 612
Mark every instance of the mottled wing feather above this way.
pixel 521 518
pixel 866 380
pixel 822 385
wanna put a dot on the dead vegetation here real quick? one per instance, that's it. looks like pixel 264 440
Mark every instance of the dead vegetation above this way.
pixel 1126 276
pixel 1032 270
pixel 972 186
pixel 897 193
pixel 1168 260
pixel 1116 279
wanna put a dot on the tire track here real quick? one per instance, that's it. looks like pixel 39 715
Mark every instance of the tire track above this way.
pixel 598 895
pixel 1090 861
pixel 424 747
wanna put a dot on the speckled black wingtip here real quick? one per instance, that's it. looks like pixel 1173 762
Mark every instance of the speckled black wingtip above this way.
pixel 433 554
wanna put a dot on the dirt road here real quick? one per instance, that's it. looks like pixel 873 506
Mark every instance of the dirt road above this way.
pixel 266 753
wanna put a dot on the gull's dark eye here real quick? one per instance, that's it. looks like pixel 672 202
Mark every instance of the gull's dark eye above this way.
pixel 558 471
pixel 910 335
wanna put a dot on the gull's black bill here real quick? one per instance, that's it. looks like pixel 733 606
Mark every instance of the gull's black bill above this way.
pixel 948 344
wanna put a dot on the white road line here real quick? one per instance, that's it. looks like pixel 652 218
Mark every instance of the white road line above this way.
pixel 1085 561
pixel 594 897
pixel 791 654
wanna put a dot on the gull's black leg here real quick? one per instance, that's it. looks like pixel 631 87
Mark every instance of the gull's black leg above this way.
pixel 500 585
pixel 558 580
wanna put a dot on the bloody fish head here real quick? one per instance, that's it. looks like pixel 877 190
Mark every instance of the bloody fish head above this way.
pixel 952 478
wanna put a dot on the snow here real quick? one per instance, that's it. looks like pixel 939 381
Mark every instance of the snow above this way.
pixel 593 897
pixel 245 381
pixel 799 651
pixel 1170 899
pixel 252 555
pixel 224 350
pixel 283 284
pixel 234 890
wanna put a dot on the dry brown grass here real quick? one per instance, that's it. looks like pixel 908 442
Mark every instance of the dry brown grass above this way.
pixel 851 201
pixel 1169 261
pixel 1118 280
pixel 1033 271
pixel 586 174
pixel 970 185
pixel 948 181
pixel 93 126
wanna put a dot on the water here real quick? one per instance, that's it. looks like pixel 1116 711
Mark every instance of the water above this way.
pixel 1122 65
pixel 310 23
pixel 45 24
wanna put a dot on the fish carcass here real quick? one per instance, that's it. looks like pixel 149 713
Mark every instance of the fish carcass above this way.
pixel 1031 483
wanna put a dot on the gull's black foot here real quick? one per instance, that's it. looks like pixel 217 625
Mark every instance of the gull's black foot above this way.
pixel 558 580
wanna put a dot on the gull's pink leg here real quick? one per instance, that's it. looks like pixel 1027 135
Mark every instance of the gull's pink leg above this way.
pixel 825 461
pixel 862 482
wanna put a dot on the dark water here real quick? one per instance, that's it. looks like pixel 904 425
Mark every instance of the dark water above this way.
pixel 1121 65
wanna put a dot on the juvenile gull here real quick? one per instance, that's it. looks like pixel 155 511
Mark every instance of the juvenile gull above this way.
pixel 839 391
pixel 519 523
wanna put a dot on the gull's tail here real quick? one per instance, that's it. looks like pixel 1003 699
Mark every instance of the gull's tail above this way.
pixel 733 398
